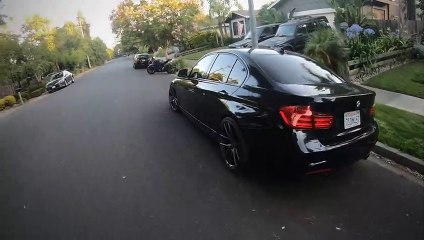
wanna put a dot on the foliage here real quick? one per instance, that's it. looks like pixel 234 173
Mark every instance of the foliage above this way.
pixel 154 23
pixel 176 65
pixel 44 49
pixel 365 44
pixel 420 5
pixel 401 130
pixel 201 39
pixel 2 104
pixel 37 93
pixel 326 47
pixel 9 101
pixel 220 9
pixel 407 79
pixel 2 17
pixel 348 11
pixel 268 16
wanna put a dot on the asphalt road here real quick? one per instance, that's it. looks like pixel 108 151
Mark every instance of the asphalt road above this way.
pixel 106 159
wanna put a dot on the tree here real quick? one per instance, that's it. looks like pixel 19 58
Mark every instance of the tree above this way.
pixel 220 9
pixel 349 11
pixel 155 23
pixel 10 58
pixel 2 17
pixel 268 16
pixel 420 5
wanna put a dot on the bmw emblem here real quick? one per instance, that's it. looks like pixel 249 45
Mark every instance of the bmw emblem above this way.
pixel 358 103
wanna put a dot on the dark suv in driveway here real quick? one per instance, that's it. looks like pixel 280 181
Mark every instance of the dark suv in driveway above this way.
pixel 263 32
pixel 294 34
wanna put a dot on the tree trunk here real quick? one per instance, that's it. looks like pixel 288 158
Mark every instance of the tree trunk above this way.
pixel 221 34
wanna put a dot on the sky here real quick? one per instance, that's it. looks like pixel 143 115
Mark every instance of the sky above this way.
pixel 96 12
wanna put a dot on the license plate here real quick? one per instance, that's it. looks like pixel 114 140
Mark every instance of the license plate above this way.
pixel 352 119
pixel 54 87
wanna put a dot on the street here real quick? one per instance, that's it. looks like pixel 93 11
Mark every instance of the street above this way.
pixel 106 158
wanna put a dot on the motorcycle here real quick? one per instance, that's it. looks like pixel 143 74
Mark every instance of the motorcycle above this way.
pixel 159 65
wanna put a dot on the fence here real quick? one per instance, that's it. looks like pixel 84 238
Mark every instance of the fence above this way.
pixel 355 66
pixel 192 51
pixel 7 90
pixel 410 26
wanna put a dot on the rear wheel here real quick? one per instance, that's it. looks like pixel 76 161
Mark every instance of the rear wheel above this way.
pixel 150 70
pixel 173 101
pixel 232 145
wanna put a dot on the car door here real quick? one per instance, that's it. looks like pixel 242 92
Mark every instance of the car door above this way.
pixel 218 88
pixel 300 37
pixel 187 87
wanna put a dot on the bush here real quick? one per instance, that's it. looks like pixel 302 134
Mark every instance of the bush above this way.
pixel 36 93
pixel 9 101
pixel 201 39
pixel 176 65
pixel 325 46
pixel 2 104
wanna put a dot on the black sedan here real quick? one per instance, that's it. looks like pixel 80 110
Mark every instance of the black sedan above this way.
pixel 260 105
pixel 141 61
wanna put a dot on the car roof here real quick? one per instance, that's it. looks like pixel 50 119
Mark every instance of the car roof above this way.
pixel 303 20
pixel 268 25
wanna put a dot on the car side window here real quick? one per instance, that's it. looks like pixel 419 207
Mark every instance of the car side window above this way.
pixel 238 74
pixel 322 24
pixel 202 67
pixel 222 67
pixel 301 29
pixel 268 31
pixel 311 27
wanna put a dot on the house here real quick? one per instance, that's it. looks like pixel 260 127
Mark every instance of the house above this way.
pixel 381 9
pixel 375 9
pixel 313 8
pixel 239 23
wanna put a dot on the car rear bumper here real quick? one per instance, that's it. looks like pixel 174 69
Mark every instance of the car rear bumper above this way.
pixel 141 64
pixel 299 149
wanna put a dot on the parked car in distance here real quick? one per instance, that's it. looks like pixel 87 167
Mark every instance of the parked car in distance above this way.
pixel 141 61
pixel 294 34
pixel 263 33
pixel 59 80
pixel 285 107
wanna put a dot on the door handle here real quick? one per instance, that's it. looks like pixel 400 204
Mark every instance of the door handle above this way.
pixel 223 92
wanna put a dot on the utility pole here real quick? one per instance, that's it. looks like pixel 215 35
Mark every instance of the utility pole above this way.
pixel 253 25
pixel 82 33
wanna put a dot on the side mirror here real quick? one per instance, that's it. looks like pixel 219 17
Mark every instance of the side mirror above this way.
pixel 183 73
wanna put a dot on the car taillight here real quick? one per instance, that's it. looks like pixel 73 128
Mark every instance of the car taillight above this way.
pixel 372 111
pixel 302 117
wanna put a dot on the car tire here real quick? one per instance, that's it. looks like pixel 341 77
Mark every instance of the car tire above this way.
pixel 173 101
pixel 232 144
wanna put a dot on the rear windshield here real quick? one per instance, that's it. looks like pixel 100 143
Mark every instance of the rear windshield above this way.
pixel 292 69
pixel 144 56
pixel 285 30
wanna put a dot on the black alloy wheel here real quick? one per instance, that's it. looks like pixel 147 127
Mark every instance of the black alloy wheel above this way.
pixel 150 70
pixel 173 101
pixel 232 145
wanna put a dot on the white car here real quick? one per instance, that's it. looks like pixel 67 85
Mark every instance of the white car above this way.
pixel 59 80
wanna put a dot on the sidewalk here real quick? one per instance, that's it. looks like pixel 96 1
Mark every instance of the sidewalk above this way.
pixel 398 100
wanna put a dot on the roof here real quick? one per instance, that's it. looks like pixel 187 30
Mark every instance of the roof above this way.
pixel 244 13
pixel 274 3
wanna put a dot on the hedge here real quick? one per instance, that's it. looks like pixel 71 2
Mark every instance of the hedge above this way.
pixel 2 104
pixel 9 101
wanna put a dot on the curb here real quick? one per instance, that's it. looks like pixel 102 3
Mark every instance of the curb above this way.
pixel 399 157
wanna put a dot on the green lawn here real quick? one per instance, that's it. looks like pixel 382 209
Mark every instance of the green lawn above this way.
pixel 197 55
pixel 403 79
pixel 401 130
